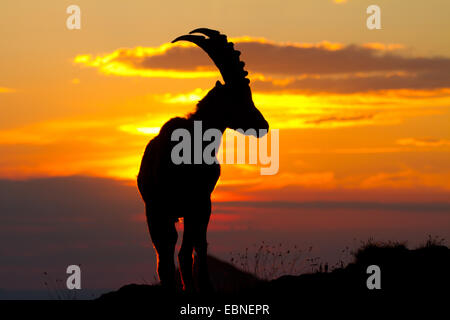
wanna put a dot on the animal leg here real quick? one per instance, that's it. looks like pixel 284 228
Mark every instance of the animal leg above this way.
pixel 201 249
pixel 185 260
pixel 164 237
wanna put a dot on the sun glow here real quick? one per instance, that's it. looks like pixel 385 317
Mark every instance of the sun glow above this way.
pixel 286 110
pixel 136 129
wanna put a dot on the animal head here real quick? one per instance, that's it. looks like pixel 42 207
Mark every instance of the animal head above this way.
pixel 237 108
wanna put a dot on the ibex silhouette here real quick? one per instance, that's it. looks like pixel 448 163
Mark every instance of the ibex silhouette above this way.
pixel 173 191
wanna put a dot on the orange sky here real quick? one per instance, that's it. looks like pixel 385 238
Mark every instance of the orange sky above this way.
pixel 357 110
pixel 349 127
pixel 363 115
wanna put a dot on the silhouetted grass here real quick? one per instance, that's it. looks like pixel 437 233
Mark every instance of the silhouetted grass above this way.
pixel 433 241
pixel 406 273
pixel 270 261
pixel 371 248
pixel 57 289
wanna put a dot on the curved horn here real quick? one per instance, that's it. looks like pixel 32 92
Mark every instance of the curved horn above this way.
pixel 221 52
pixel 191 38
pixel 198 40
pixel 207 32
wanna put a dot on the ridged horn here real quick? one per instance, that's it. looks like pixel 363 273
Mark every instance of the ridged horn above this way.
pixel 221 52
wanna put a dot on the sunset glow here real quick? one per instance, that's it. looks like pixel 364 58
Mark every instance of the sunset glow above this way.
pixel 363 115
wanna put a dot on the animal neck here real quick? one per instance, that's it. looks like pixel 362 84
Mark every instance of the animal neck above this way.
pixel 209 112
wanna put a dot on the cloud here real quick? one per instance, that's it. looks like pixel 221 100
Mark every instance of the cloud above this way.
pixel 323 67
pixel 262 55
pixel 314 180
pixel 423 142
pixel 340 119
pixel 352 205
pixel 355 83
pixel 163 61
pixel 405 179
pixel 383 46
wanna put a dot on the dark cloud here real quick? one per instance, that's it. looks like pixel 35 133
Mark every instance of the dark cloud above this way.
pixel 351 205
pixel 176 58
pixel 270 58
pixel 420 81
pixel 293 61
pixel 340 119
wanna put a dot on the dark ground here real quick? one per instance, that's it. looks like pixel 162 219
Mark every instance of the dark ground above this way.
pixel 409 279
pixel 413 281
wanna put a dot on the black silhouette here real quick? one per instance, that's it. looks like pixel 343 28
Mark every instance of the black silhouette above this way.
pixel 407 275
pixel 173 191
